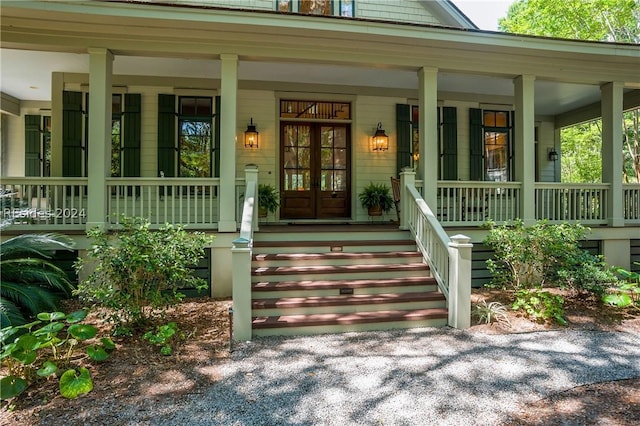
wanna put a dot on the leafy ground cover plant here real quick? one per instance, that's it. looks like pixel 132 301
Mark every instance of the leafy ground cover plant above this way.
pixel 164 336
pixel 53 345
pixel 540 305
pixel 138 272
pixel 627 292
pixel 30 283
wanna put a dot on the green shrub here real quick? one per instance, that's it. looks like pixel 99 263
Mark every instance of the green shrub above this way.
pixel 544 254
pixel 139 271
pixel 45 347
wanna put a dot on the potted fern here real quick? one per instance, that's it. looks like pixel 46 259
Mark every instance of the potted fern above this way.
pixel 376 198
pixel 267 200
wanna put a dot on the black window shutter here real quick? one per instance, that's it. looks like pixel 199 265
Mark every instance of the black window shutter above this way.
pixel 32 145
pixel 167 135
pixel 403 127
pixel 216 139
pixel 132 135
pixel 72 134
pixel 476 145
pixel 449 143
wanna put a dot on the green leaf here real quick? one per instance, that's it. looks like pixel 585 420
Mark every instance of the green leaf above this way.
pixel 165 350
pixel 11 386
pixel 27 342
pixel 82 331
pixel 51 328
pixel 25 356
pixel 76 316
pixel 97 353
pixel 73 385
pixel 48 368
pixel 108 343
pixel 55 316
pixel 619 300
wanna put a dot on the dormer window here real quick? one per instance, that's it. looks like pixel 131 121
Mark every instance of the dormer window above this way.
pixel 317 7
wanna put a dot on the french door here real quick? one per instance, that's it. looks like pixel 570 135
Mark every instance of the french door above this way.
pixel 315 170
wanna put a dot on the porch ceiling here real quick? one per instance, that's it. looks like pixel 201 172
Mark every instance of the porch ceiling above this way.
pixel 26 75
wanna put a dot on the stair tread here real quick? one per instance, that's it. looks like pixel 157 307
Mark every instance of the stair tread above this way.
pixel 322 269
pixel 335 255
pixel 348 318
pixel 332 243
pixel 333 284
pixel 340 300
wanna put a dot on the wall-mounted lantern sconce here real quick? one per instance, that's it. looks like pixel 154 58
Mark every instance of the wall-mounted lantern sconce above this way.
pixel 416 156
pixel 251 136
pixel 553 154
pixel 380 140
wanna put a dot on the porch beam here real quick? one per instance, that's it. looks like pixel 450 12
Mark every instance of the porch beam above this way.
pixel 228 115
pixel 524 150
pixel 428 122
pixel 100 73
pixel 612 149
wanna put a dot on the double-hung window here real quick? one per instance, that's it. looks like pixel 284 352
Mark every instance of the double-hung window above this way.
pixel 195 136
pixel 497 149
pixel 490 145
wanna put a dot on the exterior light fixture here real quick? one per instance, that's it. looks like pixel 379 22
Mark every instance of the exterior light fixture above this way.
pixel 553 154
pixel 380 140
pixel 416 156
pixel 251 136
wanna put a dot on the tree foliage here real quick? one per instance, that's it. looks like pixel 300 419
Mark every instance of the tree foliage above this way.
pixel 599 20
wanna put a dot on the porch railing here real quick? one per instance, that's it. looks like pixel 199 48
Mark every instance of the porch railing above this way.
pixel 560 202
pixel 449 258
pixel 36 203
pixel 631 200
pixel 473 203
pixel 189 201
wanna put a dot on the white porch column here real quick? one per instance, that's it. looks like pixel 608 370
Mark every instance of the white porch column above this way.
pixel 429 152
pixel 612 149
pixel 524 145
pixel 99 143
pixel 228 112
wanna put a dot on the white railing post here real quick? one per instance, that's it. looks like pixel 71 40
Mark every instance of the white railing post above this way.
pixel 460 282
pixel 407 177
pixel 241 287
pixel 241 257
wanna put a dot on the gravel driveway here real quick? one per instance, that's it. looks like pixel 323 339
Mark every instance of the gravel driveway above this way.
pixel 415 377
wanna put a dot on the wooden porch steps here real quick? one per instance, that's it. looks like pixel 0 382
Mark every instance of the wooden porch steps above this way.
pixel 317 285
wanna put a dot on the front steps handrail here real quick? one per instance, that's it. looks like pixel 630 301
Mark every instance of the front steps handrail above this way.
pixel 448 258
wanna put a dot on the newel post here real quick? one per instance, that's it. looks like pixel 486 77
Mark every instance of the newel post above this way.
pixel 241 283
pixel 460 281
pixel 407 177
